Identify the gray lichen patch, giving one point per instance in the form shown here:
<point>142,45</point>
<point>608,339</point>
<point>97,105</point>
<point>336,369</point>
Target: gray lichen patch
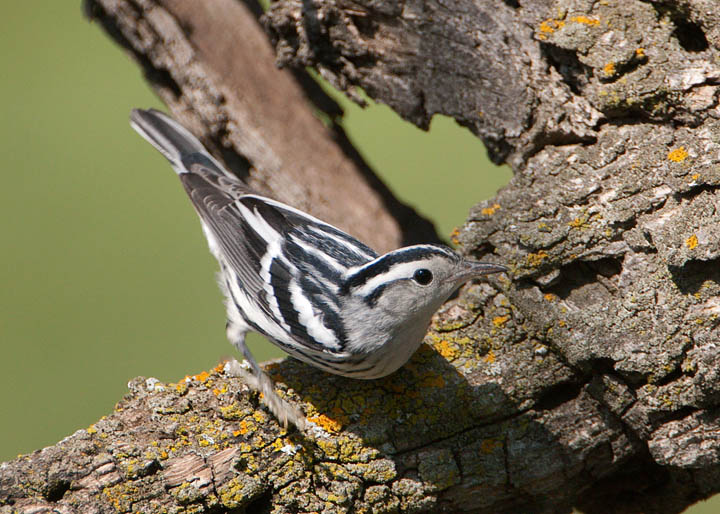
<point>633,58</point>
<point>689,443</point>
<point>622,243</point>
<point>687,229</point>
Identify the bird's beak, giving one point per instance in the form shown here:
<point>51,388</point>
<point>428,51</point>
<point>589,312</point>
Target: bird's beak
<point>471,269</point>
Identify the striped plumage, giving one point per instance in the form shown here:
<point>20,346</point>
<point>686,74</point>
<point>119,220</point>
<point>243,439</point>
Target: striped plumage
<point>316,292</point>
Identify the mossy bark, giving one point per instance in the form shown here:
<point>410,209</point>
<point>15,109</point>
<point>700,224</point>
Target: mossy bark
<point>589,380</point>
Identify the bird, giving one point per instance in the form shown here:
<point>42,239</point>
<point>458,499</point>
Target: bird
<point>313,290</point>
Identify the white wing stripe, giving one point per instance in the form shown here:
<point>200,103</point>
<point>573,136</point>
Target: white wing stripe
<point>250,310</point>
<point>312,322</point>
<point>331,261</point>
<point>274,249</point>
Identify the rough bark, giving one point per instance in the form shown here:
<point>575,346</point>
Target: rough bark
<point>589,380</point>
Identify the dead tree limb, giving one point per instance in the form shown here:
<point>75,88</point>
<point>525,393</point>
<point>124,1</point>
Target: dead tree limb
<point>590,380</point>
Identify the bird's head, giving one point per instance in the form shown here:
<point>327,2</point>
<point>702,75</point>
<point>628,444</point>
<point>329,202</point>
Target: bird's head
<point>415,280</point>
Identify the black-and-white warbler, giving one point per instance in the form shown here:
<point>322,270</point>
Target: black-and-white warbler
<point>316,292</point>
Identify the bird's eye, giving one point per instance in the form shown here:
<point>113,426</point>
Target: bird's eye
<point>423,276</point>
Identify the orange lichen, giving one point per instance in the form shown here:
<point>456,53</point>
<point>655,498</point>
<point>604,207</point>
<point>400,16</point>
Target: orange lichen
<point>609,69</point>
<point>678,154</point>
<point>579,222</point>
<point>691,242</point>
<point>640,52</point>
<point>489,211</point>
<point>328,424</point>
<point>455,235</point>
<point>550,26</point>
<point>202,377</point>
<point>446,350</point>
<point>499,321</point>
<point>549,297</point>
<point>585,20</point>
<point>535,259</point>
<point>490,357</point>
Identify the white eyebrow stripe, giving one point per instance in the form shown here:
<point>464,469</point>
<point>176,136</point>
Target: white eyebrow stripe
<point>399,271</point>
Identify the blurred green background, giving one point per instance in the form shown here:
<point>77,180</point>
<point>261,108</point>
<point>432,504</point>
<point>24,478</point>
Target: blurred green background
<point>106,275</point>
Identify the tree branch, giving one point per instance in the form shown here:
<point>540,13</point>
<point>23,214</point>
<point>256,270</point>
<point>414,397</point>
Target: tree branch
<point>214,68</point>
<point>590,380</point>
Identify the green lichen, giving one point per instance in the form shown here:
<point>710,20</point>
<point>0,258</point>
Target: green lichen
<point>439,470</point>
<point>234,412</point>
<point>187,493</point>
<point>347,448</point>
<point>239,491</point>
<point>379,470</point>
<point>379,498</point>
<point>121,496</point>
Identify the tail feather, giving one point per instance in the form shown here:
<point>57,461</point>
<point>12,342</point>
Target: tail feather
<point>170,138</point>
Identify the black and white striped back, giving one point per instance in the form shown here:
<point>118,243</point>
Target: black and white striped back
<point>281,268</point>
